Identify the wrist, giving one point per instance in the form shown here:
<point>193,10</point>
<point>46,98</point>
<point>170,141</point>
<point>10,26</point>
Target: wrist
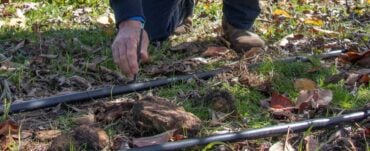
<point>131,24</point>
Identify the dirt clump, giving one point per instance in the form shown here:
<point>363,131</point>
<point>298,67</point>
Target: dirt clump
<point>86,136</point>
<point>62,142</point>
<point>163,115</point>
<point>94,138</point>
<point>221,101</point>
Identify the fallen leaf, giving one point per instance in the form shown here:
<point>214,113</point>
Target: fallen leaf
<point>281,146</point>
<point>172,116</point>
<point>364,79</point>
<point>279,12</point>
<point>186,46</point>
<point>177,137</point>
<point>47,135</point>
<point>88,119</point>
<point>362,59</point>
<point>280,102</point>
<point>335,78</point>
<point>363,71</point>
<point>329,32</point>
<point>152,140</point>
<point>8,126</point>
<point>314,21</point>
<point>304,84</point>
<point>17,22</point>
<point>5,1</point>
<point>215,51</point>
<point>252,52</point>
<point>314,98</point>
<point>105,19</point>
<point>352,79</point>
<point>80,82</point>
<point>292,39</point>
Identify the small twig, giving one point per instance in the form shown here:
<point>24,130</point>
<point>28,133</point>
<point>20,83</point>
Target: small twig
<point>286,140</point>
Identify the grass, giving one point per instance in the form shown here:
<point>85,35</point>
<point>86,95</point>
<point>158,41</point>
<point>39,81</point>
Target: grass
<point>58,39</point>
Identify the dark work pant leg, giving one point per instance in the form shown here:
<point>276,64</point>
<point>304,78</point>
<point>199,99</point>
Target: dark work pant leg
<point>163,16</point>
<point>241,13</point>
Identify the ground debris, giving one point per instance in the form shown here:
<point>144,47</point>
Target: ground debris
<point>221,101</point>
<point>84,136</point>
<point>177,67</point>
<point>62,142</point>
<point>147,115</point>
<point>240,74</point>
<point>46,135</point>
<point>94,138</point>
<point>161,115</point>
<point>152,140</point>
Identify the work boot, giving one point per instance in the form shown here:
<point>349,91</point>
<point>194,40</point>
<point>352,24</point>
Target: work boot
<point>185,26</point>
<point>241,40</point>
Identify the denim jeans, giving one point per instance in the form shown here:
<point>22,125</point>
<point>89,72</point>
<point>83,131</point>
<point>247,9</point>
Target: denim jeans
<point>163,16</point>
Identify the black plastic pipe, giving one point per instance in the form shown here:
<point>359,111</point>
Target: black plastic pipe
<point>103,92</point>
<point>129,88</point>
<point>258,133</point>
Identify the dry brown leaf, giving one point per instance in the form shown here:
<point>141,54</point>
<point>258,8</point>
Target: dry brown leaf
<point>88,119</point>
<point>5,1</point>
<point>362,59</point>
<point>292,39</point>
<point>314,98</point>
<point>152,140</point>
<point>304,84</point>
<point>252,52</point>
<point>8,126</point>
<point>364,79</point>
<point>280,102</point>
<point>352,79</point>
<point>329,32</point>
<point>47,135</point>
<point>215,51</point>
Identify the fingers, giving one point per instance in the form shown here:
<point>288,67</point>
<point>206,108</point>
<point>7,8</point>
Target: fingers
<point>122,64</point>
<point>124,51</point>
<point>144,48</point>
<point>131,57</point>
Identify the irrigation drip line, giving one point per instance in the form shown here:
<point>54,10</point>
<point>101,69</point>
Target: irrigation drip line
<point>129,88</point>
<point>258,133</point>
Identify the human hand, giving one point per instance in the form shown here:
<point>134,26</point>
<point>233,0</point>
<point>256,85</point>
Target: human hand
<point>125,45</point>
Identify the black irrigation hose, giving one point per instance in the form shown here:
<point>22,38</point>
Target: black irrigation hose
<point>258,133</point>
<point>129,88</point>
<point>103,92</point>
